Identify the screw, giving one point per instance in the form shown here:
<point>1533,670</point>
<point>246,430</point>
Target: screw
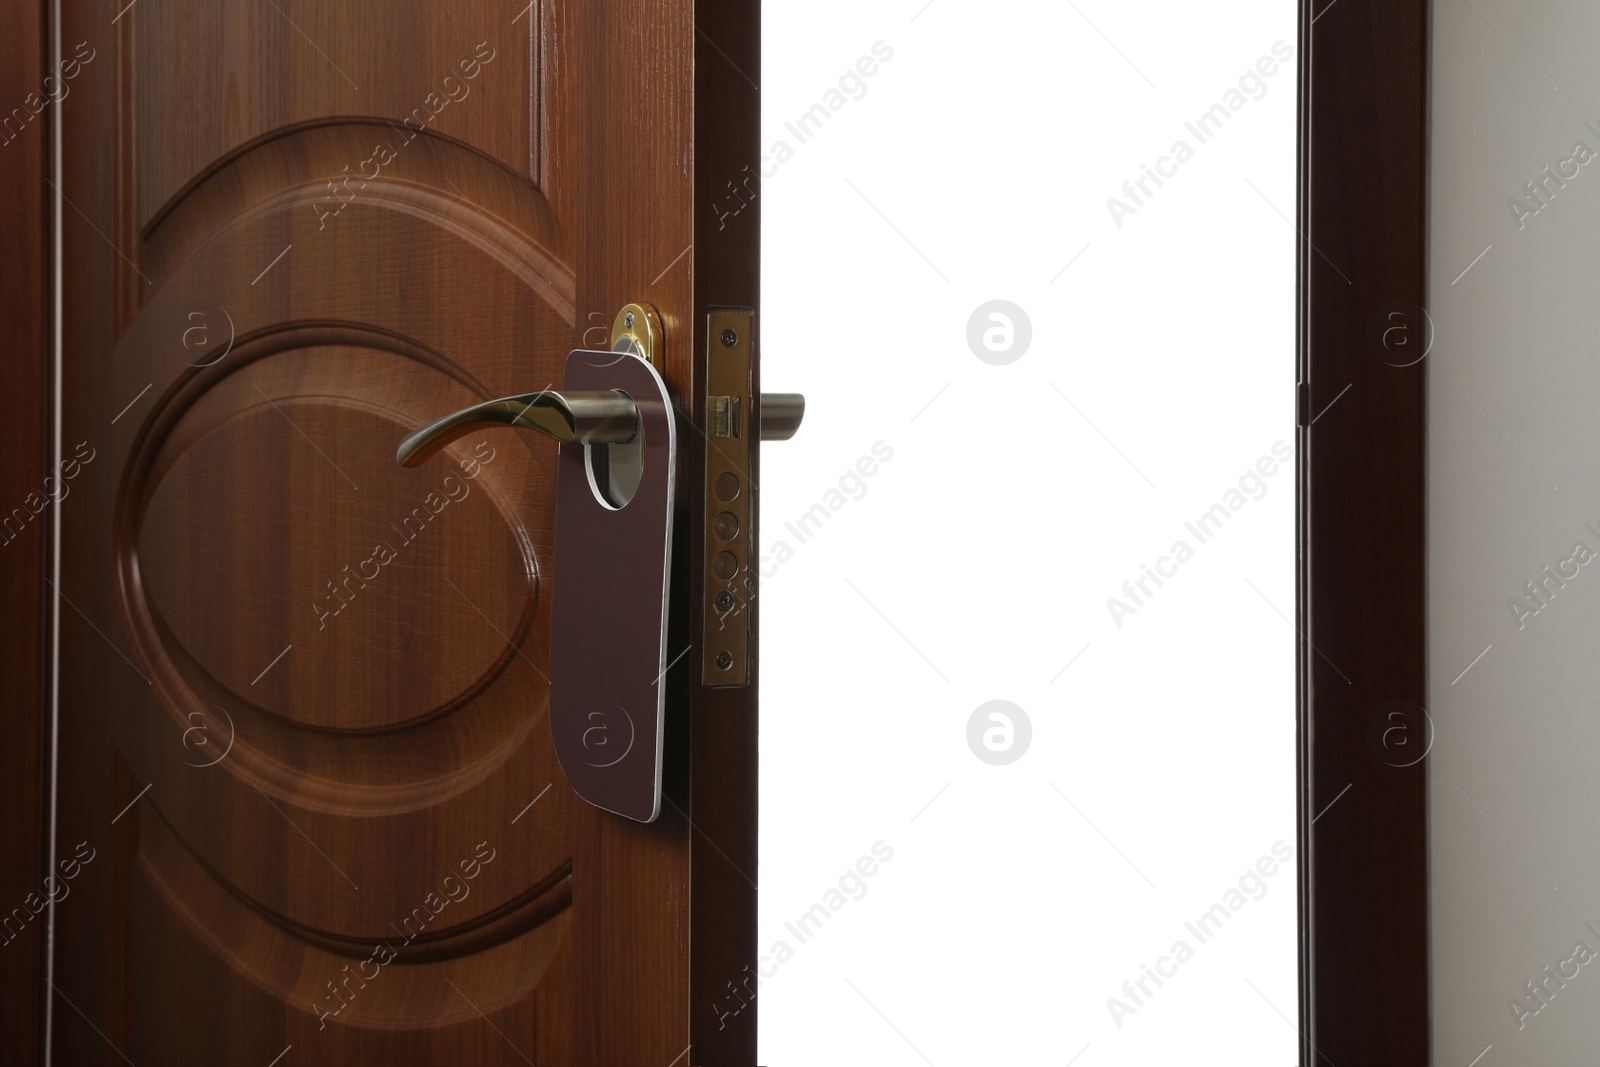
<point>627,320</point>
<point>724,602</point>
<point>724,660</point>
<point>729,338</point>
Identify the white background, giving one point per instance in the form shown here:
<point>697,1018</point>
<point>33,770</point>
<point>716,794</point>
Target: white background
<point>978,562</point>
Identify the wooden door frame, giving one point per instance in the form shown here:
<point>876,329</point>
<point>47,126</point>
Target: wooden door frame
<point>1364,995</point>
<point>1361,585</point>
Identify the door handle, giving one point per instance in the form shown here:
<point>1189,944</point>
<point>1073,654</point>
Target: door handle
<point>615,487</point>
<point>589,418</point>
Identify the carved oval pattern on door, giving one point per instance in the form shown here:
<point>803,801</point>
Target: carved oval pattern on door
<point>377,636</point>
<point>369,588</point>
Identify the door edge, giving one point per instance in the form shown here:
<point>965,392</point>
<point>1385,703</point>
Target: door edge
<point>723,751</point>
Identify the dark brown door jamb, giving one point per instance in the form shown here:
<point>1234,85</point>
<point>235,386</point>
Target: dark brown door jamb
<point>1362,283</point>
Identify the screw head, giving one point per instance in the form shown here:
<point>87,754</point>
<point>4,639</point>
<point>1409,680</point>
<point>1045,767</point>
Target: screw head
<point>627,320</point>
<point>724,602</point>
<point>724,660</point>
<point>730,338</point>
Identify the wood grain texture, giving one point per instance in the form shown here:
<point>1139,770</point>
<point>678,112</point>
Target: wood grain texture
<point>24,464</point>
<point>1363,209</point>
<point>273,276</point>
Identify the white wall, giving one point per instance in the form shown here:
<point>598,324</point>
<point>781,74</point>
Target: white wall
<point>975,563</point>
<point>1512,390</point>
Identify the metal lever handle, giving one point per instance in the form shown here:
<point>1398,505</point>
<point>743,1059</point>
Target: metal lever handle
<point>594,418</point>
<point>591,418</point>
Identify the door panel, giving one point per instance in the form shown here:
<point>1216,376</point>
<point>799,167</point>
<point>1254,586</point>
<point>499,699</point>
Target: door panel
<point>303,691</point>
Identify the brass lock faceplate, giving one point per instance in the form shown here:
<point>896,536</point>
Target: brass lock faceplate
<point>728,567</point>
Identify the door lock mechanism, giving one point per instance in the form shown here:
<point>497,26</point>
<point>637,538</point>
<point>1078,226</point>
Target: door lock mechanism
<point>728,575</point>
<point>616,483</point>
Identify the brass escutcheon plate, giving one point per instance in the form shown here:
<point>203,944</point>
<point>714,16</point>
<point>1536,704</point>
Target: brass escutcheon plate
<point>637,330</point>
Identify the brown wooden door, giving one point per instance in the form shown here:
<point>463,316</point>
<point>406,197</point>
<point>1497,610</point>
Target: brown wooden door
<point>306,788</point>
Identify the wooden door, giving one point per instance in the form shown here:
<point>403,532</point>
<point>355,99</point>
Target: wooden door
<point>308,805</point>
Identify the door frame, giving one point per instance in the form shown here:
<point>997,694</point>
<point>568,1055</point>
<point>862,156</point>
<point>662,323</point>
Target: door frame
<point>1361,604</point>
